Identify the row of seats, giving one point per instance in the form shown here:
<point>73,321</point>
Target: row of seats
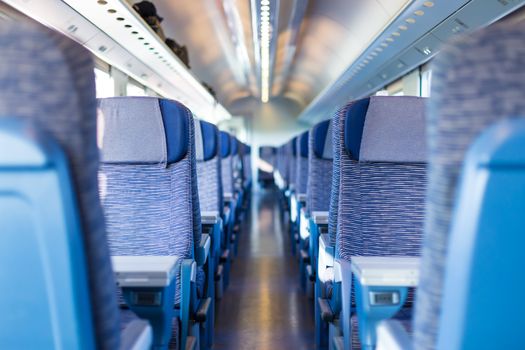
<point>127,192</point>
<point>405,212</point>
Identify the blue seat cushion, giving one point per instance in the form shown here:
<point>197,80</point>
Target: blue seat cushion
<point>225,144</point>
<point>123,122</point>
<point>206,140</point>
<point>234,145</point>
<point>303,145</point>
<point>387,129</point>
<point>322,140</point>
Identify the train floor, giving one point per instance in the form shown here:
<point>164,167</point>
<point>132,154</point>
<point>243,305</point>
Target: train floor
<point>263,307</point>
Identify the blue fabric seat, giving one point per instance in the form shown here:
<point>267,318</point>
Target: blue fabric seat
<point>247,166</point>
<point>301,172</point>
<point>210,193</point>
<point>459,110</point>
<point>236,149</point>
<point>382,180</point>
<point>48,83</point>
<point>289,161</point>
<point>320,156</point>
<point>229,199</point>
<point>226,163</point>
<point>148,190</point>
<point>320,172</point>
<point>209,168</point>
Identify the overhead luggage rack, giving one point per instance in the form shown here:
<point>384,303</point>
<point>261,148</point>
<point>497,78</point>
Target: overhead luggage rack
<point>119,36</point>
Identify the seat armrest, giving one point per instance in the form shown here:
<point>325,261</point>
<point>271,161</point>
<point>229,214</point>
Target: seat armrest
<point>136,336</point>
<point>204,250</point>
<point>209,217</point>
<point>148,287</point>
<point>391,335</point>
<point>381,288</point>
<point>228,197</point>
<point>213,226</point>
<point>320,217</point>
<point>374,271</point>
<point>144,271</point>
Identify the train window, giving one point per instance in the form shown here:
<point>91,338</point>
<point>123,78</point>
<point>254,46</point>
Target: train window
<point>105,84</point>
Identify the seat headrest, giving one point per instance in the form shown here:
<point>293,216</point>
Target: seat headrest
<point>303,144</point>
<point>143,130</point>
<point>206,140</point>
<point>293,143</point>
<point>225,144</point>
<point>244,148</point>
<point>322,136</point>
<point>234,145</point>
<point>386,129</point>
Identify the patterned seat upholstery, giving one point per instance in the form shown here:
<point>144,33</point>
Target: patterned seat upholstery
<point>247,165</point>
<point>291,154</point>
<point>337,140</point>
<point>382,179</point>
<point>209,168</point>
<point>48,79</point>
<point>209,177</point>
<point>226,162</point>
<point>148,190</point>
<point>301,163</point>
<point>477,80</point>
<point>236,164</point>
<point>320,157</point>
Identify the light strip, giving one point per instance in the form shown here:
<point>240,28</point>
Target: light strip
<point>265,39</point>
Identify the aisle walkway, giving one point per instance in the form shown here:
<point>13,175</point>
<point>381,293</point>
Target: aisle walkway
<point>263,307</point>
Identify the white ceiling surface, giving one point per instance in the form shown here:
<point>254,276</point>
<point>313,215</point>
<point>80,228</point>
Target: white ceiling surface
<point>332,35</point>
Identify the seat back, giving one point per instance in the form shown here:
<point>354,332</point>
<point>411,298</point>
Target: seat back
<point>226,162</point>
<point>237,163</point>
<point>247,164</point>
<point>148,189</point>
<point>337,141</point>
<point>291,156</point>
<point>477,81</point>
<point>301,172</point>
<point>54,255</point>
<point>320,157</point>
<point>486,244</point>
<point>383,177</point>
<point>208,166</point>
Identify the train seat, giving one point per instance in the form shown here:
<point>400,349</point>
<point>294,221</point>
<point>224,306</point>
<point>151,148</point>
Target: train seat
<point>315,214</point>
<point>54,251</point>
<point>473,195</point>
<point>149,192</point>
<point>381,199</point>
